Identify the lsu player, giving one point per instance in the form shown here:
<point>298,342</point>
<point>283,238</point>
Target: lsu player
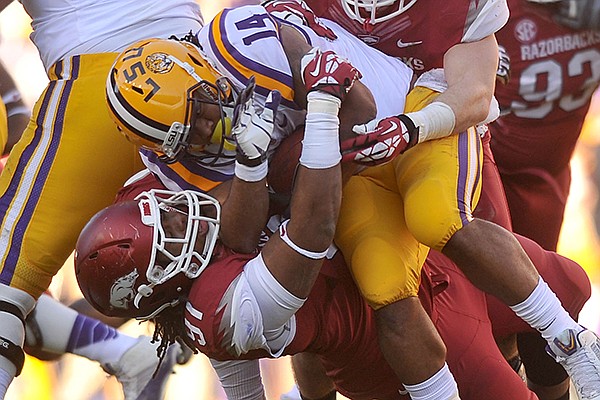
<point>53,329</point>
<point>153,88</point>
<point>231,53</point>
<point>70,156</point>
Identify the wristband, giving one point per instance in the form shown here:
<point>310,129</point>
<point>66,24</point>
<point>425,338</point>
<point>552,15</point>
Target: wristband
<point>251,174</point>
<point>436,120</point>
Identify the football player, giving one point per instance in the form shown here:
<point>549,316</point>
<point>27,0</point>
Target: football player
<point>233,43</point>
<point>224,306</point>
<point>53,329</point>
<point>554,48</point>
<point>70,156</point>
<point>458,37</point>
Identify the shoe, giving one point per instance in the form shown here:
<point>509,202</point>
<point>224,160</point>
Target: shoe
<point>135,369</point>
<point>579,354</point>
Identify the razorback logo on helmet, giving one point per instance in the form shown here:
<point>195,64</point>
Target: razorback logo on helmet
<point>122,292</point>
<point>159,63</point>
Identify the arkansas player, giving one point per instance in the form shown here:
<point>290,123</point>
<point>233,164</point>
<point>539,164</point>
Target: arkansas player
<point>425,37</point>
<point>554,71</point>
<point>335,322</point>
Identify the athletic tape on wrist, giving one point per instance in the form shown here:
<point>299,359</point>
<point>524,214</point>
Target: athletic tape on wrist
<point>251,174</point>
<point>436,120</point>
<point>321,102</point>
<point>306,253</point>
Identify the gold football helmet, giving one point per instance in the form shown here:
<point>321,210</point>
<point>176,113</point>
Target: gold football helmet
<point>370,8</point>
<point>155,91</point>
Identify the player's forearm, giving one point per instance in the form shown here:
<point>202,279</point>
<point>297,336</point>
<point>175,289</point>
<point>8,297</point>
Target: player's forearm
<point>244,215</point>
<point>470,70</point>
<point>240,379</point>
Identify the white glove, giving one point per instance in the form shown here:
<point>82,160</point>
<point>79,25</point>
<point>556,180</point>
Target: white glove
<point>252,131</point>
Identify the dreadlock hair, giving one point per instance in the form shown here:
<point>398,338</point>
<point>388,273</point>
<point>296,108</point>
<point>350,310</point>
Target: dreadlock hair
<point>169,328</point>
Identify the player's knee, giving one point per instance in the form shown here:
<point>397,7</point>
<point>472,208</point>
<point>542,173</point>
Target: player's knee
<point>15,305</point>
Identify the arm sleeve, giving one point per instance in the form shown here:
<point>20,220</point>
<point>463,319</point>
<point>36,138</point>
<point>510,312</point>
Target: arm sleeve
<point>240,379</point>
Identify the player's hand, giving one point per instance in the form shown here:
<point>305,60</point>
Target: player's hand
<point>380,141</point>
<point>328,72</point>
<point>503,72</point>
<point>252,131</point>
<point>298,12</point>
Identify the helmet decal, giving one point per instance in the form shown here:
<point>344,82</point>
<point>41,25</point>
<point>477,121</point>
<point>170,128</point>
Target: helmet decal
<point>122,291</point>
<point>159,63</point>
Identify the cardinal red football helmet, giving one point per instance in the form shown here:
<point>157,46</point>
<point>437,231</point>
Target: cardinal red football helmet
<point>368,11</point>
<point>127,266</point>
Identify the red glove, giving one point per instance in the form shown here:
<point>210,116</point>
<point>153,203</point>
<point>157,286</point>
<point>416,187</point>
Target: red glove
<point>300,13</point>
<point>380,141</point>
<point>328,72</point>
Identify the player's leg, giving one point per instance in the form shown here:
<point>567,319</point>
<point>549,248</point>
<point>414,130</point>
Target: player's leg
<point>69,163</point>
<point>54,328</point>
<point>385,260</point>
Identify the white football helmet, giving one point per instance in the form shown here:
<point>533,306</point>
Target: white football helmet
<point>353,9</point>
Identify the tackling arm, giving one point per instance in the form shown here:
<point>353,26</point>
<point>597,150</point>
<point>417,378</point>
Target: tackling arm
<point>470,70</point>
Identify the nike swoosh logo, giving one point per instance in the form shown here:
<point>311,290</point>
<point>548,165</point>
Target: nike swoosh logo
<point>392,128</point>
<point>315,72</point>
<point>547,326</point>
<point>402,45</point>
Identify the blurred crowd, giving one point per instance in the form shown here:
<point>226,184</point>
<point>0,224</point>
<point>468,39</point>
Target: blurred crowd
<point>78,378</point>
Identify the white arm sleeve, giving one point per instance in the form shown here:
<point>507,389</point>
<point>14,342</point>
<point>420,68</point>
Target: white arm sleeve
<point>263,311</point>
<point>240,379</point>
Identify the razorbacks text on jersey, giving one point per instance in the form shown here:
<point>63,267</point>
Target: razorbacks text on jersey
<point>554,72</point>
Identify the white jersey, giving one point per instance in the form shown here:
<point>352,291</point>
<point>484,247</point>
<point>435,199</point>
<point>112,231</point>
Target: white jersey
<point>63,28</point>
<point>245,41</point>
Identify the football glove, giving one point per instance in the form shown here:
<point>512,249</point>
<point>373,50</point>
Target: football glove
<point>298,12</point>
<point>380,141</point>
<point>252,131</point>
<point>328,72</point>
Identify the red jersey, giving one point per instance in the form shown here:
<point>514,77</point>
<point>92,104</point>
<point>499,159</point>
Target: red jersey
<point>421,35</point>
<point>334,322</point>
<point>554,72</point>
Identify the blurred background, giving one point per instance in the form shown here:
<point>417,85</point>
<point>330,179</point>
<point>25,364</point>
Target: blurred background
<point>76,378</point>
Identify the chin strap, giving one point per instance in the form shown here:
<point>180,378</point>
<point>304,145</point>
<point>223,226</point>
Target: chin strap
<point>13,352</point>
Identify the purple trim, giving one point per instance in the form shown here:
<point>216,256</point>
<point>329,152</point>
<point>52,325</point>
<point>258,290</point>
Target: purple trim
<point>40,178</point>
<point>190,166</point>
<point>463,173</point>
<point>250,64</point>
<point>87,331</point>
